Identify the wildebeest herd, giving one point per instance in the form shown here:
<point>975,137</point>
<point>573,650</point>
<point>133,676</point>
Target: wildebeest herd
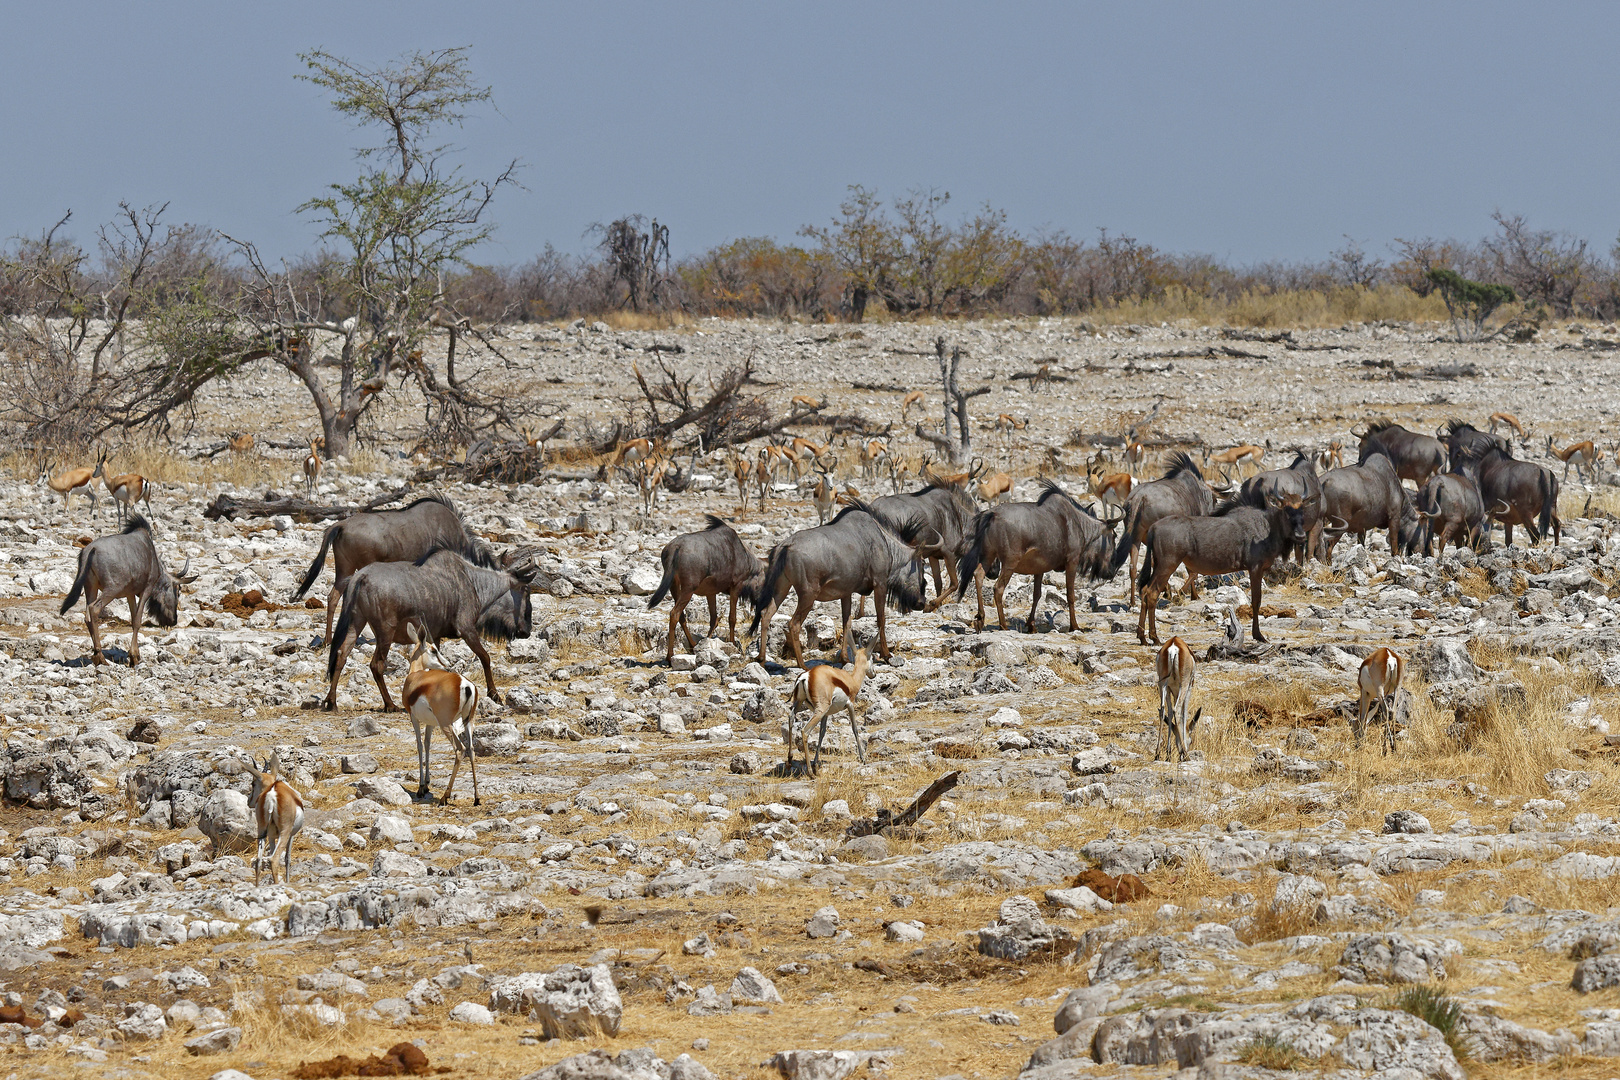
<point>415,576</point>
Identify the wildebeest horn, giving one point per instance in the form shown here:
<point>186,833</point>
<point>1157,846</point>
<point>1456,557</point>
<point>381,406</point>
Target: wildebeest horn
<point>1338,524</point>
<point>181,576</point>
<point>1506,509</point>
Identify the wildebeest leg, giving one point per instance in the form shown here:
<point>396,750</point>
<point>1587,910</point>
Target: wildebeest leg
<point>880,596</point>
<point>332,599</point>
<point>137,607</point>
<point>1256,578</point>
<point>476,644</point>
<point>1068,585</point>
<point>677,617</point>
<point>343,658</point>
<point>1130,586</point>
<point>846,638</point>
<point>1001,590</point>
<point>714,615</point>
<point>92,619</point>
<point>1507,534</point>
<point>1035,604</point>
<point>939,589</point>
<point>379,664</point>
<point>801,611</point>
<point>765,628</point>
<point>732,622</point>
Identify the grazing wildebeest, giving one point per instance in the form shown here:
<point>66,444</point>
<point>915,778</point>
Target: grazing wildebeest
<point>1235,537</point>
<point>1298,479</point>
<point>1181,490</point>
<point>706,563</point>
<point>940,517</point>
<point>126,565</point>
<point>1453,500</point>
<point>1053,533</point>
<point>1367,497</point>
<point>1416,456</point>
<point>445,595</point>
<point>853,554</point>
<point>429,524</point>
<point>1527,492</point>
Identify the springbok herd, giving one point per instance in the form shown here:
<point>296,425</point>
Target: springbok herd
<point>1130,451</point>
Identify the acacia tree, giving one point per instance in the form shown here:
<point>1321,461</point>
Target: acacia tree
<point>862,243</point>
<point>398,230</point>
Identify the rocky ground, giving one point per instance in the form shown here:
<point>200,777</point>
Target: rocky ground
<point>638,887</point>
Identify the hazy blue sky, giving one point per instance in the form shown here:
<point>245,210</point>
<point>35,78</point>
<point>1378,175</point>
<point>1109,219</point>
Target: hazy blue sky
<point>1246,130</point>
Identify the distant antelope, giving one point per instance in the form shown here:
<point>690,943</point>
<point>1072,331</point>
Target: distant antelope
<point>1135,454</point>
<point>1175,667</point>
<point>872,453</point>
<point>278,812</point>
<point>240,443</point>
<point>633,451</point>
<point>437,697</point>
<point>956,480</point>
<point>312,468</point>
<point>1506,420</point>
<point>1007,423</point>
<point>994,488</point>
<point>1042,378</point>
<point>1581,455</point>
<point>823,495</point>
<point>66,483</point>
<point>1237,456</point>
<point>742,470</point>
<point>1110,488</point>
<point>1332,457</point>
<point>802,446</point>
<point>913,399</point>
<point>127,489</point>
<point>648,474</point>
<point>1378,680</point>
<point>808,404</point>
<point>822,689</point>
<point>850,496</point>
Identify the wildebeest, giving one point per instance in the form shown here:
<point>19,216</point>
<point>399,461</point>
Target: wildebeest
<point>126,565</point>
<point>706,563</point>
<point>853,554</point>
<point>1053,533</point>
<point>1452,499</point>
<point>1298,479</point>
<point>1515,492</point>
<point>1235,537</point>
<point>1416,456</point>
<point>1181,490</point>
<point>429,524</point>
<point>940,518</point>
<point>1367,497</point>
<point>445,595</point>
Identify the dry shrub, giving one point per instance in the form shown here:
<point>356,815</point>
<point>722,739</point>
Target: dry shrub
<point>1261,308</point>
<point>1522,744</point>
<point>1273,922</point>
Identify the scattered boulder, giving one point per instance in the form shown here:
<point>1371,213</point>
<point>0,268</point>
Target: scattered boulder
<point>571,1002</point>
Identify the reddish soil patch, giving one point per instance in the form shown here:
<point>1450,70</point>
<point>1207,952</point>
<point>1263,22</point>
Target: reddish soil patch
<point>402,1059</point>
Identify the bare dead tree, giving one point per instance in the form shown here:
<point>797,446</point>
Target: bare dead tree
<point>639,259</point>
<point>959,446</point>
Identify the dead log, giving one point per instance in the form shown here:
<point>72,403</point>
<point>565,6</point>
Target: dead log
<point>883,387</point>
<point>229,508</point>
<point>887,820</point>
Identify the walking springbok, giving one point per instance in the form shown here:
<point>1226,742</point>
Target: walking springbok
<point>1237,457</point>
<point>1111,489</point>
<point>913,399</point>
<point>823,495</point>
<point>1053,533</point>
<point>127,489</point>
<point>126,565</point>
<point>872,453</point>
<point>805,403</point>
<point>632,451</point>
<point>995,488</point>
<point>84,477</point>
<point>1175,667</point>
<point>1506,420</point>
<point>278,813</point>
<point>742,470</point>
<point>822,689</point>
<point>706,563</point>
<point>1378,680</point>
<point>1580,454</point>
<point>853,554</point>
<point>312,467</point>
<point>437,697</point>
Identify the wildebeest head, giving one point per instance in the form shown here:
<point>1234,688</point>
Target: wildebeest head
<point>507,612</point>
<point>164,603</point>
<point>904,588</point>
<point>1294,508</point>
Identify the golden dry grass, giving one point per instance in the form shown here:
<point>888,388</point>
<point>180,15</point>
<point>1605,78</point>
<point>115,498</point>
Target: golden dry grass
<point>1304,309</point>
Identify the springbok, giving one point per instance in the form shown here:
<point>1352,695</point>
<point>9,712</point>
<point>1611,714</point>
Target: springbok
<point>995,488</point>
<point>127,489</point>
<point>742,470</point>
<point>1378,680</point>
<point>1175,667</point>
<point>437,697</point>
<point>1332,457</point>
<point>872,453</point>
<point>240,442</point>
<point>1237,457</point>
<point>1506,420</point>
<point>807,404</point>
<point>1006,424</point>
<point>1580,454</point>
<point>126,565</point>
<point>802,446</point>
<point>706,563</point>
<point>66,483</point>
<point>312,468</point>
<point>278,813</point>
<point>913,399</point>
<point>823,495</point>
<point>1112,489</point>
<point>822,689</point>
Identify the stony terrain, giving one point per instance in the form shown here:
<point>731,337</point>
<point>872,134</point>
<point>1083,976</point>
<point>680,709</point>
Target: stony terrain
<point>637,881</point>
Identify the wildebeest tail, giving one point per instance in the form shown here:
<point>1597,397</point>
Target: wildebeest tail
<point>1549,500</point>
<point>78,582</point>
<point>774,570</point>
<point>327,539</point>
<point>969,563</point>
<point>1144,578</point>
<point>1122,550</point>
<point>663,585</point>
<point>341,630</point>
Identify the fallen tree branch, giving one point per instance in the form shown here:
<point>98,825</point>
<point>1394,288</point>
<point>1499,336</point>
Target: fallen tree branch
<point>229,508</point>
<point>887,820</point>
